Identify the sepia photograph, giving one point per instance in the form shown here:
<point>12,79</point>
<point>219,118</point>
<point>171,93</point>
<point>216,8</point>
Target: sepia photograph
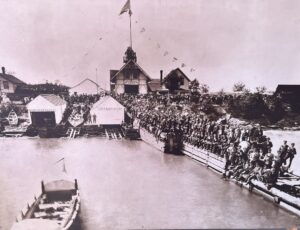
<point>149,114</point>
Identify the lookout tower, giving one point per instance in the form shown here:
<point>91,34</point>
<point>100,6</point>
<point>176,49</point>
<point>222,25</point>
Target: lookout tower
<point>130,55</point>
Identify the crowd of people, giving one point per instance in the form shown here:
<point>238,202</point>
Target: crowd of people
<point>86,99</point>
<point>247,151</point>
<point>81,104</point>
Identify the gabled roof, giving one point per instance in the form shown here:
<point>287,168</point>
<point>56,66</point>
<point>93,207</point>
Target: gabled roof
<point>46,102</point>
<point>107,101</point>
<point>53,99</point>
<point>174,71</point>
<point>126,65</point>
<point>12,79</point>
<point>87,79</point>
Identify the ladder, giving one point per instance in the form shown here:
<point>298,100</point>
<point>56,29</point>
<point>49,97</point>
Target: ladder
<point>73,132</point>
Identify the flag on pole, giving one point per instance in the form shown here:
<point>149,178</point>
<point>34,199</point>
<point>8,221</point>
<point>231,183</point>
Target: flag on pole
<point>126,8</point>
<point>63,164</point>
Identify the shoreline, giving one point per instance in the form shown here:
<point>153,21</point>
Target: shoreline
<point>277,128</point>
<point>265,128</point>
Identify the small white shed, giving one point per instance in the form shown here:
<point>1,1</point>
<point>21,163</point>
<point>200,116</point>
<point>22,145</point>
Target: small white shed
<point>87,86</point>
<point>46,110</point>
<point>107,111</point>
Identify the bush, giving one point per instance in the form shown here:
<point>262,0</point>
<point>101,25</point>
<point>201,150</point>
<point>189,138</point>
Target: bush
<point>6,108</point>
<point>248,106</point>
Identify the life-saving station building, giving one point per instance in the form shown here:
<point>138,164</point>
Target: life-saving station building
<point>131,78</point>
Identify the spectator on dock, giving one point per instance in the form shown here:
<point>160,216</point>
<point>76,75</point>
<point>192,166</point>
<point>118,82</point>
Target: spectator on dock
<point>94,118</point>
<point>283,151</point>
<point>247,151</point>
<point>291,152</point>
<point>89,118</point>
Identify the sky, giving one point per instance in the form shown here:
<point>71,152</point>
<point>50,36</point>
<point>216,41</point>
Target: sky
<point>220,42</point>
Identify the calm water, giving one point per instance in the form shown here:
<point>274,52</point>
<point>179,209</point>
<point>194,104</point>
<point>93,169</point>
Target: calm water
<point>128,184</point>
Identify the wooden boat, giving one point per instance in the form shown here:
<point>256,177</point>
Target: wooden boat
<point>15,131</point>
<point>76,119</point>
<point>56,207</point>
<point>12,118</point>
<point>285,193</point>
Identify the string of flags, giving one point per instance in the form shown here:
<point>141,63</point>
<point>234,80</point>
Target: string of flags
<point>165,53</point>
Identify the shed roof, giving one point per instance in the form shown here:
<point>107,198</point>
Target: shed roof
<point>45,102</point>
<point>54,99</point>
<point>12,79</point>
<point>155,86</point>
<point>86,86</point>
<point>107,101</point>
<point>87,79</point>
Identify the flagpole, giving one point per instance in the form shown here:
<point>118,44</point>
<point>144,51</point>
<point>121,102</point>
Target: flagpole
<point>127,7</point>
<point>97,80</point>
<point>130,28</point>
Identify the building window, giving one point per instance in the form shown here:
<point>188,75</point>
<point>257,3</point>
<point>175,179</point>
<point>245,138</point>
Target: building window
<point>5,85</point>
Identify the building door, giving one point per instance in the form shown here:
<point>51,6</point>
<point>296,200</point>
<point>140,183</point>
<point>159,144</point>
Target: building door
<point>132,89</point>
<point>43,119</point>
